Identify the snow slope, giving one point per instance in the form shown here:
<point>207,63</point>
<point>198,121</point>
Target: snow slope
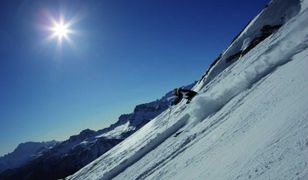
<point>249,121</point>
<point>276,13</point>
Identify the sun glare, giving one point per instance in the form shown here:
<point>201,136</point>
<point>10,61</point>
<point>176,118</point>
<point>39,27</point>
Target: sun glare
<point>60,30</point>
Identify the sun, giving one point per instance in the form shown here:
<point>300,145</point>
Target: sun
<point>60,30</point>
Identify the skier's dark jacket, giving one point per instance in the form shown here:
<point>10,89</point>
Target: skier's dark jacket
<point>183,93</point>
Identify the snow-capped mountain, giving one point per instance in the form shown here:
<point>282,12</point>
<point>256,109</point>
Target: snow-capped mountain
<point>66,157</point>
<point>24,152</point>
<point>249,120</point>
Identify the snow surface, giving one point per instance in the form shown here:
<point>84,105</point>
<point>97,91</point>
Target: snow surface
<point>277,12</point>
<point>118,131</point>
<point>249,121</point>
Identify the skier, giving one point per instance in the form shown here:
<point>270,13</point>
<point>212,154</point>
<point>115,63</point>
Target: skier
<point>181,93</point>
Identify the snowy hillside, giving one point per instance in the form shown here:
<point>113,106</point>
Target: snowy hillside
<point>249,121</point>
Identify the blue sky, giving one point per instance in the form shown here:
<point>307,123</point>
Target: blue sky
<point>122,53</point>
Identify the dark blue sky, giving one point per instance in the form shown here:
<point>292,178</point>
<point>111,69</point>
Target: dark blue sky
<point>124,52</point>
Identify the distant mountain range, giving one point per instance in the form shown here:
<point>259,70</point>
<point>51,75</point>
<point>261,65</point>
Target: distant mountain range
<point>54,160</point>
<point>23,153</point>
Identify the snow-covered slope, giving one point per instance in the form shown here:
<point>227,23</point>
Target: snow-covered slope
<point>24,152</point>
<point>275,14</point>
<point>249,121</point>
